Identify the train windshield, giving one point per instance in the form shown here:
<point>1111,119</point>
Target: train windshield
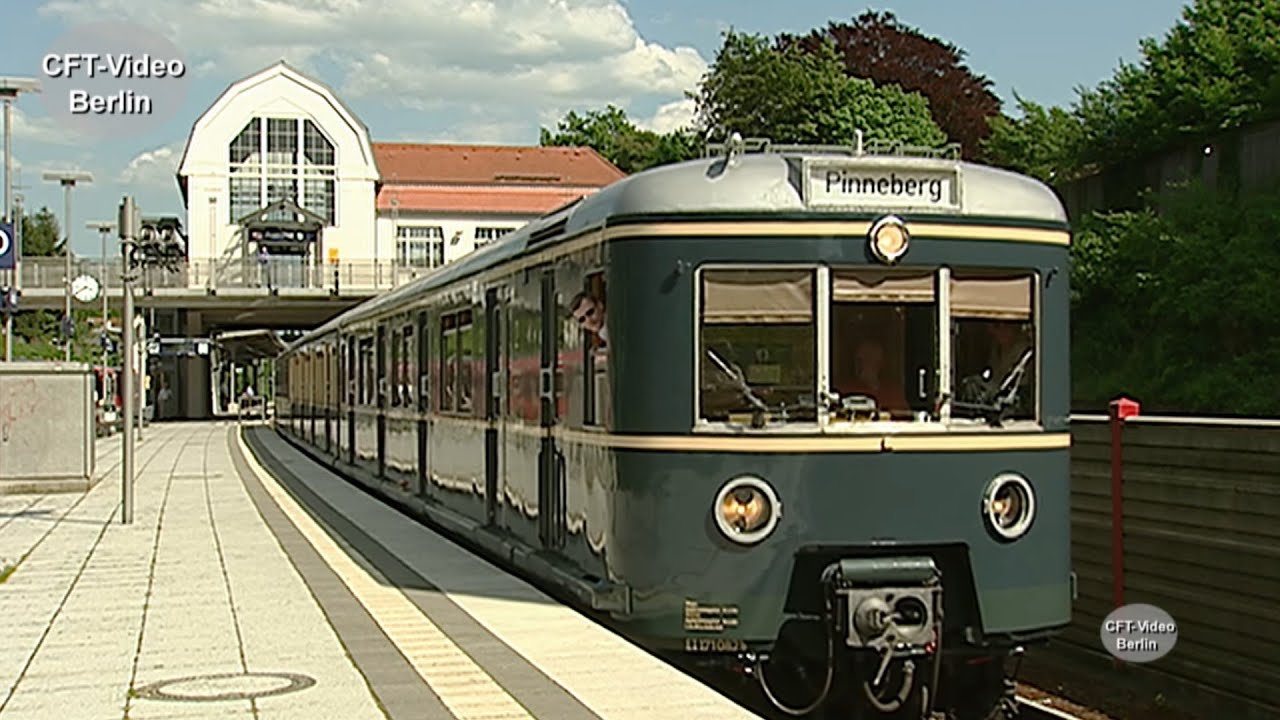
<point>994,340</point>
<point>884,329</point>
<point>877,354</point>
<point>758,332</point>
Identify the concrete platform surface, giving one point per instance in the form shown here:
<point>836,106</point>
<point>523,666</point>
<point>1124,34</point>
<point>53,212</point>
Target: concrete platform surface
<point>265,587</point>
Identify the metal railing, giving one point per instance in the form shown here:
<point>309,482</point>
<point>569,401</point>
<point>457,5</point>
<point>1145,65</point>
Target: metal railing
<point>251,407</point>
<point>344,278</point>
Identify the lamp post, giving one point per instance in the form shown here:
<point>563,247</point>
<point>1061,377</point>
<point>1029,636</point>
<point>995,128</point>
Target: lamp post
<point>68,179</point>
<point>104,229</point>
<point>10,88</point>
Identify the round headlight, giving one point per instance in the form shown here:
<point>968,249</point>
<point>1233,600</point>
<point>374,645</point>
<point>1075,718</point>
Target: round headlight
<point>1009,506</point>
<point>889,239</point>
<point>747,509</point>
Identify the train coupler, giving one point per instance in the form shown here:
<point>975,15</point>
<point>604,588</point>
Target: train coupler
<point>892,608</point>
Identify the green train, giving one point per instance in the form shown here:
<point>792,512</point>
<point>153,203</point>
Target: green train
<point>800,412</point>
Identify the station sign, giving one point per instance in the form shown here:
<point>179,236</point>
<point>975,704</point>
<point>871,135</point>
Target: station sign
<point>8,247</point>
<point>852,183</point>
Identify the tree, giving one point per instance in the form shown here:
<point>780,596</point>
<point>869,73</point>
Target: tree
<point>1217,69</point>
<point>612,134</point>
<point>39,330</point>
<point>791,95</point>
<point>1192,287</point>
<point>1043,143</point>
<point>877,47</point>
<point>41,236</point>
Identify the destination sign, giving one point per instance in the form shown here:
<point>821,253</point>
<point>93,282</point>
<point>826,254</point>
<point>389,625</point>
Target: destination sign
<point>845,184</point>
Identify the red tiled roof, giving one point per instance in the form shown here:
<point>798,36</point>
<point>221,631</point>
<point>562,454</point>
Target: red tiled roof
<point>421,164</point>
<point>473,199</point>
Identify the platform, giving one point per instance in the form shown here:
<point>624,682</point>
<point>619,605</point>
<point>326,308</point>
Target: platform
<point>253,583</point>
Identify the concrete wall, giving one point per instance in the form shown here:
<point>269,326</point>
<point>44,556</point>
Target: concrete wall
<point>47,427</point>
<point>1248,157</point>
<point>1201,520</point>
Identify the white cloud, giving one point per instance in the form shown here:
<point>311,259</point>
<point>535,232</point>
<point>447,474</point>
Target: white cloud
<point>153,168</point>
<point>511,58</point>
<point>43,130</point>
<point>479,132</point>
<point>670,116</point>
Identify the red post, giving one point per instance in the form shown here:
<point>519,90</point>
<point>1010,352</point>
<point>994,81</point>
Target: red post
<point>1121,408</point>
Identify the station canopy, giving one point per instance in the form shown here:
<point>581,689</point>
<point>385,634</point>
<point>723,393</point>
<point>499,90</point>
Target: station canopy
<point>283,228</point>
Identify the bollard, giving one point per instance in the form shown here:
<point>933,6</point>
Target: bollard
<point>1121,408</point>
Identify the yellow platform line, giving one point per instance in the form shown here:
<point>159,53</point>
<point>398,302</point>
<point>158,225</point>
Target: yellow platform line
<point>464,687</point>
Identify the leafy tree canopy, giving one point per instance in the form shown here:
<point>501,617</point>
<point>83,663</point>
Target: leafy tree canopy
<point>1217,69</point>
<point>1043,143</point>
<point>794,95</point>
<point>880,48</point>
<point>612,134</point>
<point>1177,306</point>
<point>41,235</point>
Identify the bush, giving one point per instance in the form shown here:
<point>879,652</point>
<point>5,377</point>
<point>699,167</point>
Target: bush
<point>1177,307</point>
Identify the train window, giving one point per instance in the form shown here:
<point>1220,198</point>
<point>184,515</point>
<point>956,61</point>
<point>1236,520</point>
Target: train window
<point>883,343</point>
<point>993,346</point>
<point>408,367</point>
<point>589,312</point>
<point>466,360</point>
<point>456,358</point>
<point>448,362</point>
<point>368,371</point>
<point>394,379</point>
<point>359,372</point>
<point>757,337</point>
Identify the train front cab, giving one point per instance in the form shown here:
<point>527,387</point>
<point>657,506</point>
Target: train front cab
<point>855,473</point>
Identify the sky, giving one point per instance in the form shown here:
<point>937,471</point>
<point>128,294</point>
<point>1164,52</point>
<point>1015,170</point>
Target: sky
<point>474,71</point>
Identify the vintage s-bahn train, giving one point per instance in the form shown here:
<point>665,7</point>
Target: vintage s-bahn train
<point>800,410</point>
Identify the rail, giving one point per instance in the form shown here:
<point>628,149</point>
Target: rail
<point>342,277</point>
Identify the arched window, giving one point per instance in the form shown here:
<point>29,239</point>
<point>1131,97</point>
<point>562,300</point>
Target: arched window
<point>275,158</point>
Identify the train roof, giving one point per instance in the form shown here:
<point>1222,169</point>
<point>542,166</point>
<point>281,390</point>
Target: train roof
<point>739,182</point>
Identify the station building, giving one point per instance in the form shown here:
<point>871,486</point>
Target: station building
<point>280,168</point>
<point>285,188</point>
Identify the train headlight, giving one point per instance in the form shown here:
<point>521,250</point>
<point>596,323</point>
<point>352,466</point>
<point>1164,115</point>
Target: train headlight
<point>1009,505</point>
<point>889,239</point>
<point>747,509</point>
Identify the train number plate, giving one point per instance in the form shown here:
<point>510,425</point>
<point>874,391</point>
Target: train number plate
<point>713,645</point>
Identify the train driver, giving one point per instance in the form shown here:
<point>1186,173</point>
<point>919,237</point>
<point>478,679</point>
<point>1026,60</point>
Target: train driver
<point>872,377</point>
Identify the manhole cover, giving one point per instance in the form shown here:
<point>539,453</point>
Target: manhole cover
<point>228,686</point>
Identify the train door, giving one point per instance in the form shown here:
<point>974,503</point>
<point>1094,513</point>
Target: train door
<point>309,413</point>
<point>383,389</point>
<point>339,394</point>
<point>326,392</point>
<point>551,465</point>
<point>353,372</point>
<point>494,392</point>
<point>424,402</point>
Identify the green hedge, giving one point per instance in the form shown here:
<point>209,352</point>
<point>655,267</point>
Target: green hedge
<point>1180,307</point>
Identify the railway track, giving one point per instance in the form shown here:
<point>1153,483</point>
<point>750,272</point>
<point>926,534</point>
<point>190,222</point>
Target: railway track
<point>1029,709</point>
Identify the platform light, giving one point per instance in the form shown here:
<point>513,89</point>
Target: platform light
<point>747,509</point>
<point>889,239</point>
